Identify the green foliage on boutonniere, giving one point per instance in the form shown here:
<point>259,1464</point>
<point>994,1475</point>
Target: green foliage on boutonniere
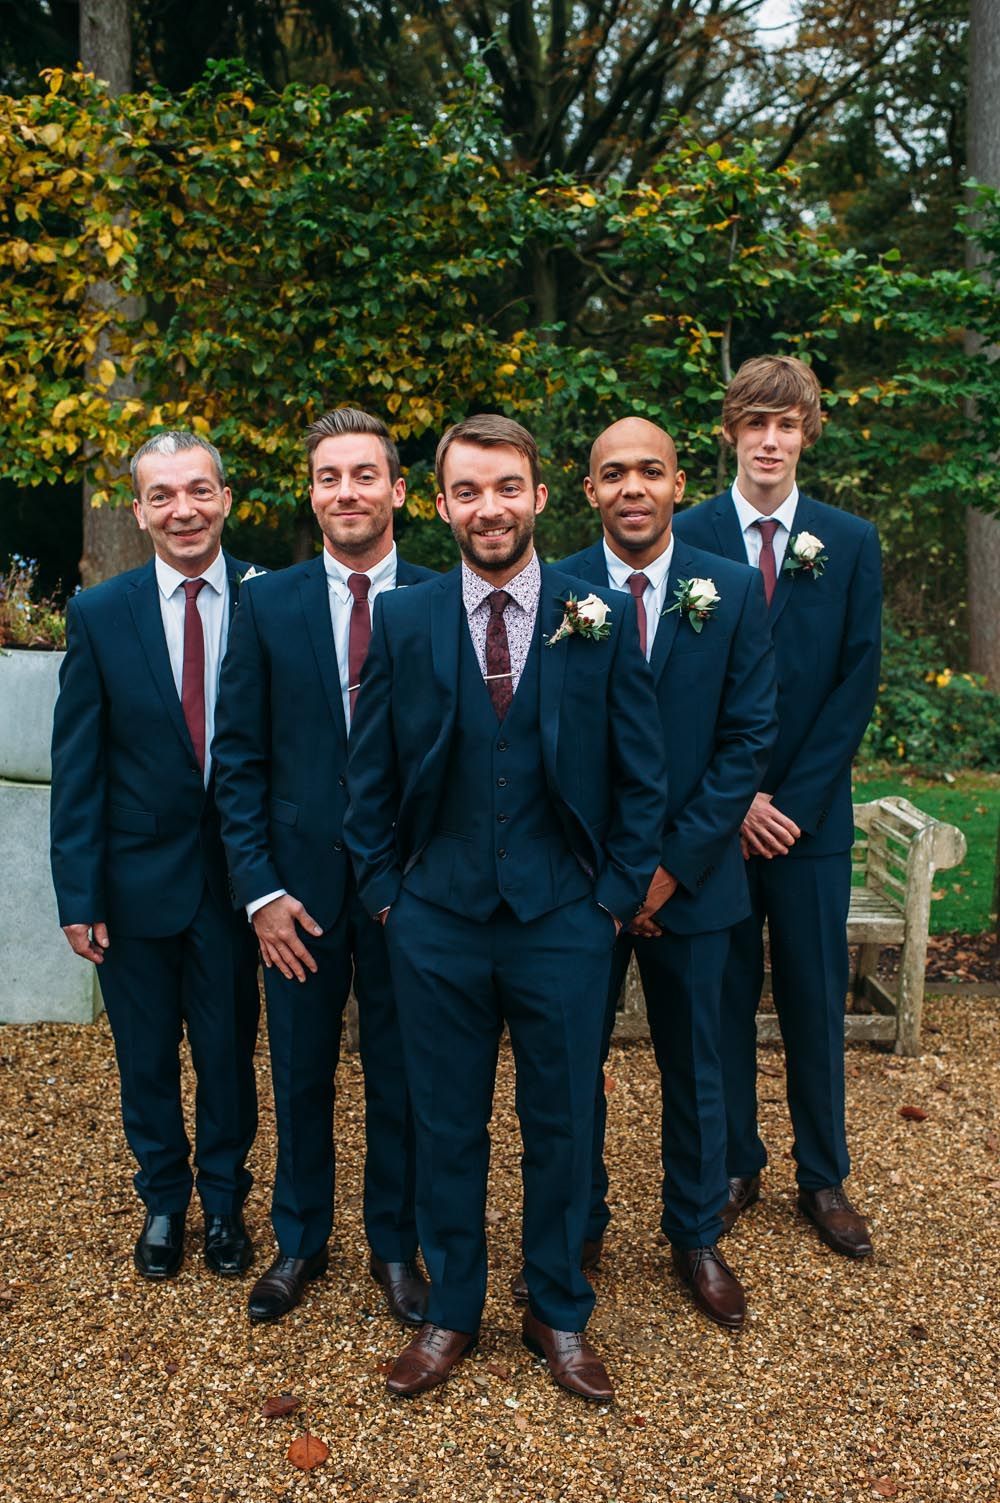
<point>588,618</point>
<point>805,555</point>
<point>696,599</point>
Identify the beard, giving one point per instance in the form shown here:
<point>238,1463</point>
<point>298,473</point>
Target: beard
<point>489,559</point>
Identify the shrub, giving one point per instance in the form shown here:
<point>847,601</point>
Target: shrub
<point>25,622</point>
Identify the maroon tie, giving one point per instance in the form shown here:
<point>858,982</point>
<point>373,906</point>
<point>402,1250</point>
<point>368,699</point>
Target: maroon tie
<point>498,675</point>
<point>193,672</point>
<point>638,583</point>
<point>360,634</point>
<point>767,562</point>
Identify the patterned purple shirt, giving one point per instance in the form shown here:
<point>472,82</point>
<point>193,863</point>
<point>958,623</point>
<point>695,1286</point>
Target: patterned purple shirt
<point>518,617</point>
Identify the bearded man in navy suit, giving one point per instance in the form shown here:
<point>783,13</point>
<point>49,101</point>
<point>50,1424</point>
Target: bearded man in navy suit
<point>286,702</point>
<point>822,577</point>
<point>137,859</point>
<point>703,627</point>
<point>507,792</point>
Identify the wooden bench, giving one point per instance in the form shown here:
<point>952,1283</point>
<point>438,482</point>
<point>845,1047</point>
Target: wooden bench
<point>897,851</point>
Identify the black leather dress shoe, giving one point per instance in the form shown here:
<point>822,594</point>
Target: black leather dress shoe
<point>279,1289</point>
<point>228,1249</point>
<point>405,1287</point>
<point>159,1252</point>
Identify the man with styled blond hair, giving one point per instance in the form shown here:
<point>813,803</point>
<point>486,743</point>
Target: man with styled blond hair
<point>822,579</point>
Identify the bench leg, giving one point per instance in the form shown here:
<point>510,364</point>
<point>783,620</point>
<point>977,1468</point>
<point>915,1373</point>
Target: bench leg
<point>867,966</point>
<point>910,1007</point>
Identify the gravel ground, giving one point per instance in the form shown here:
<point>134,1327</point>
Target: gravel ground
<point>867,1381</point>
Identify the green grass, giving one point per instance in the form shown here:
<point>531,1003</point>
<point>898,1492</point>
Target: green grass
<point>972,802</point>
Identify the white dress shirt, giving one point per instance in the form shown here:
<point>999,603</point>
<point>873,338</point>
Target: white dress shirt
<point>213,608</point>
<point>383,577</point>
<point>654,596</point>
<point>748,515</point>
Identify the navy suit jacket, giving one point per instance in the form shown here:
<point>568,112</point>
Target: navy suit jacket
<point>716,694</point>
<point>604,771</point>
<point>280,747</point>
<point>135,833</point>
<point>827,643</point>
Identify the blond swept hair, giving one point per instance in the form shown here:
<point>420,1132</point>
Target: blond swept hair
<point>489,431</point>
<point>352,420</point>
<point>773,383</point>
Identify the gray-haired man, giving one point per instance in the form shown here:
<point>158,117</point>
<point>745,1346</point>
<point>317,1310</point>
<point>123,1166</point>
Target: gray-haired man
<point>137,858</point>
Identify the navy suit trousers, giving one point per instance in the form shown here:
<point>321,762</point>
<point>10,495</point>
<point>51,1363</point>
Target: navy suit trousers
<point>457,982</point>
<point>204,978</point>
<point>804,900</point>
<point>304,1021</point>
<point>682,984</point>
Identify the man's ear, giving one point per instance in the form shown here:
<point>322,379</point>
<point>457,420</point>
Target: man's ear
<point>139,514</point>
<point>589,491</point>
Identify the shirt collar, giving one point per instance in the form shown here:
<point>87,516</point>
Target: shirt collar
<point>169,580</point>
<point>524,589</point>
<point>619,572</point>
<point>383,574</point>
<point>748,514</point>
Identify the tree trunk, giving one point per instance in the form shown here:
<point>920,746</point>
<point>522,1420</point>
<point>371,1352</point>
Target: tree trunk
<point>984,164</point>
<point>111,540</point>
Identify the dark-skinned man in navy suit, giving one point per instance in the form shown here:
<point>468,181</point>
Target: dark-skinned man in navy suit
<point>507,787</point>
<point>822,576</point>
<point>703,625</point>
<point>286,702</point>
<point>137,859</point>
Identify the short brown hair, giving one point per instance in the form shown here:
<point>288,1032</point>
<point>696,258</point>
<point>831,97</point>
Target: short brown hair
<point>351,420</point>
<point>773,383</point>
<point>488,431</point>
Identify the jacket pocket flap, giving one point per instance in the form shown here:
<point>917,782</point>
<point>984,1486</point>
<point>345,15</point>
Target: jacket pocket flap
<point>283,813</point>
<point>136,821</point>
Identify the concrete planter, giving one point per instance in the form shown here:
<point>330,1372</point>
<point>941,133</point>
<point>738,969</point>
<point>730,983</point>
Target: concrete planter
<point>29,683</point>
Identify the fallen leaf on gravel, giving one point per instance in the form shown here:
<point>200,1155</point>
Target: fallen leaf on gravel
<point>913,1113</point>
<point>919,1333</point>
<point>308,1451</point>
<point>943,1085</point>
<point>639,1420</point>
<point>520,1423</point>
<point>885,1487</point>
<point>279,1405</point>
<point>120,1456</point>
<point>171,1368</point>
<point>609,1084</point>
<point>387,1366</point>
<point>492,1217</point>
<point>993,1142</point>
<point>498,1370</point>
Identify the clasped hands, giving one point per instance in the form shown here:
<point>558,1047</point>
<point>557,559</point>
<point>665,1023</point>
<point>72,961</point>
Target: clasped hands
<point>766,831</point>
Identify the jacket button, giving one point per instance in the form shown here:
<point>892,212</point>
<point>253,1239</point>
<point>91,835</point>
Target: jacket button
<point>338,845</point>
<point>502,819</point>
<point>501,746</point>
<point>502,854</point>
<point>501,782</point>
<point>342,781</point>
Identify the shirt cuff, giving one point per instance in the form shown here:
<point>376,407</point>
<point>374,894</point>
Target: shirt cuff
<point>262,902</point>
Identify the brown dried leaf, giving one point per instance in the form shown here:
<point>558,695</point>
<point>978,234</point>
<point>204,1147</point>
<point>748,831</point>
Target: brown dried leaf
<point>498,1370</point>
<point>492,1217</point>
<point>609,1084</point>
<point>885,1487</point>
<point>639,1420</point>
<point>520,1423</point>
<point>308,1451</point>
<point>386,1366</point>
<point>919,1333</point>
<point>172,1367</point>
<point>913,1113</point>
<point>279,1405</point>
<point>993,1142</point>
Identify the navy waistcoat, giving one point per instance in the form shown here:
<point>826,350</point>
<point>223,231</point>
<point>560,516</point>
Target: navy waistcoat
<point>496,835</point>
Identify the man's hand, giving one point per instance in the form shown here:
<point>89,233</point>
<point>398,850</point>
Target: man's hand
<point>280,945</point>
<point>661,889</point>
<point>766,831</point>
<point>382,915</point>
<point>88,940</point>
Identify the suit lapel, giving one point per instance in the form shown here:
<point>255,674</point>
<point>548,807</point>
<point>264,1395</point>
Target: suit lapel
<point>144,603</point>
<point>234,570</point>
<point>681,567</point>
<point>447,621</point>
<point>552,667</point>
<point>315,601</point>
<point>788,582</point>
<point>727,528</point>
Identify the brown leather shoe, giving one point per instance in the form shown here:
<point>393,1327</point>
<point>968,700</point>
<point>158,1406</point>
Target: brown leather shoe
<point>713,1285</point>
<point>405,1287</point>
<point>590,1258</point>
<point>572,1361</point>
<point>840,1225</point>
<point>279,1289</point>
<point>743,1193</point>
<point>428,1360</point>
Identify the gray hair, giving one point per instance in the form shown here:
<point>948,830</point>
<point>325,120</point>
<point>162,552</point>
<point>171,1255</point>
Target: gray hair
<point>352,420</point>
<point>174,441</point>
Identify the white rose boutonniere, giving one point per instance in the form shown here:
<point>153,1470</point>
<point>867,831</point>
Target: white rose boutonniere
<point>587,618</point>
<point>696,599</point>
<point>805,555</point>
<point>252,573</point>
